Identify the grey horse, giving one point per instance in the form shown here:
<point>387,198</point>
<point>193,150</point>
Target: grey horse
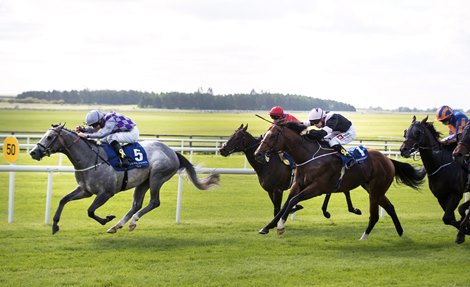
<point>95,176</point>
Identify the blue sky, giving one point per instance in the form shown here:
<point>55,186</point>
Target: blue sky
<point>365,53</point>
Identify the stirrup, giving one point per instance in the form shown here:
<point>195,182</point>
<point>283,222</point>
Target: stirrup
<point>350,163</point>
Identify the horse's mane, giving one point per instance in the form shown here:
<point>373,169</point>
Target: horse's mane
<point>296,127</point>
<point>432,129</point>
<point>92,142</point>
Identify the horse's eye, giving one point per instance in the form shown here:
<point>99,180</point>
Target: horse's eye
<point>49,138</point>
<point>416,133</point>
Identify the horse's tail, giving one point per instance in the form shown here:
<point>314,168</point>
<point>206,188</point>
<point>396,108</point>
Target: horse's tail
<point>204,183</point>
<point>407,174</point>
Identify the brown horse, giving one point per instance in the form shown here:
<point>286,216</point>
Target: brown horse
<point>275,176</point>
<point>319,171</point>
<point>461,155</point>
<point>446,178</point>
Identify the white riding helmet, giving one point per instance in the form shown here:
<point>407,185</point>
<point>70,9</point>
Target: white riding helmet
<point>93,117</point>
<point>315,114</point>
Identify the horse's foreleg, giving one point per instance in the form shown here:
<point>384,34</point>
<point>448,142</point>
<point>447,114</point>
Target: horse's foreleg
<point>139,194</point>
<point>449,204</point>
<point>463,224</point>
<point>273,223</point>
<point>77,193</point>
<point>100,199</point>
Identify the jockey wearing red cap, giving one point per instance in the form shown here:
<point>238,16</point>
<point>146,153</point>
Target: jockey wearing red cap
<point>278,115</point>
<point>455,121</point>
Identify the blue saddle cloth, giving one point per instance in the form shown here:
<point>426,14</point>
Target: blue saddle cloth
<point>134,151</point>
<point>359,153</point>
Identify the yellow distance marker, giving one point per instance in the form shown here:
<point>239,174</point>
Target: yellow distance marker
<point>11,149</point>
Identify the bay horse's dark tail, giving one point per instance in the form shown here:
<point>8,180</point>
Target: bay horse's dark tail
<point>407,174</point>
<point>204,183</point>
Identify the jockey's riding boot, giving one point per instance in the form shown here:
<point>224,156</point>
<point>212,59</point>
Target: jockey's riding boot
<point>123,160</point>
<point>350,161</point>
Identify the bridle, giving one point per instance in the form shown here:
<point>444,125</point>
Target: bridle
<point>47,150</point>
<point>409,135</point>
<point>274,142</point>
<point>243,147</point>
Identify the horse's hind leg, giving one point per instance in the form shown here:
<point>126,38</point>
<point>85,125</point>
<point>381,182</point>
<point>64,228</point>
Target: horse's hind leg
<point>154,202</point>
<point>324,207</point>
<point>78,193</point>
<point>390,209</point>
<point>373,217</point>
<point>351,208</point>
<point>463,224</point>
<point>139,195</point>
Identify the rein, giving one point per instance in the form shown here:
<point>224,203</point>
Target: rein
<point>314,158</point>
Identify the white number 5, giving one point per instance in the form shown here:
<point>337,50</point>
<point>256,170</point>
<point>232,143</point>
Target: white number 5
<point>138,155</point>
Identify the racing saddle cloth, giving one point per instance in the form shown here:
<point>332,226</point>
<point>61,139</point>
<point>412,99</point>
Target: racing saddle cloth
<point>134,151</point>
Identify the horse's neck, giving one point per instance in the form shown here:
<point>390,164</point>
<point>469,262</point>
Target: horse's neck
<point>251,145</point>
<point>298,148</point>
<point>82,154</point>
<point>434,154</point>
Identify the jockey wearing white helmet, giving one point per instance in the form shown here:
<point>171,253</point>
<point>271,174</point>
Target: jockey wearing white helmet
<point>334,128</point>
<point>112,128</point>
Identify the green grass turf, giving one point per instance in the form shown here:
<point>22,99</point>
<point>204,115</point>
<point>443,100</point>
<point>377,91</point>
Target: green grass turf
<point>216,243</point>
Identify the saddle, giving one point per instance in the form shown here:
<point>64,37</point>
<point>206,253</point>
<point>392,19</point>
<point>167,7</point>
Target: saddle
<point>359,153</point>
<point>134,151</point>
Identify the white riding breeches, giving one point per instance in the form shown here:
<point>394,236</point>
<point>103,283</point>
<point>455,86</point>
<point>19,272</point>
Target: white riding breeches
<point>124,137</point>
<point>341,138</point>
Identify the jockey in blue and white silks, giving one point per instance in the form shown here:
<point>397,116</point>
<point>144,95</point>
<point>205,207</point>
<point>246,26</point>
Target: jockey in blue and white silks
<point>112,128</point>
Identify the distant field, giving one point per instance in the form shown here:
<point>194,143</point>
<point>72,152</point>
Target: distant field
<point>216,243</point>
<point>368,125</point>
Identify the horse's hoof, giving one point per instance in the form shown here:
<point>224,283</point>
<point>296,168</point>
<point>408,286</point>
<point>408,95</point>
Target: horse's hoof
<point>55,228</point>
<point>280,231</point>
<point>460,239</point>
<point>263,231</point>
<point>112,230</point>
<point>357,211</point>
<point>132,226</point>
<point>326,214</point>
<point>110,217</point>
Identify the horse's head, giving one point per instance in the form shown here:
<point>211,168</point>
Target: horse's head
<point>462,151</point>
<point>418,135</point>
<point>49,143</point>
<point>273,141</point>
<point>236,142</point>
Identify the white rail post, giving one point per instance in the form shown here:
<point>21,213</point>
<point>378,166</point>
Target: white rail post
<point>179,197</point>
<point>11,196</point>
<point>48,198</point>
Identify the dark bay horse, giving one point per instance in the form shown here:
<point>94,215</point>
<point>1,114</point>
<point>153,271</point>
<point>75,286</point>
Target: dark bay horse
<point>461,156</point>
<point>319,170</point>
<point>95,176</point>
<point>446,178</point>
<point>274,176</point>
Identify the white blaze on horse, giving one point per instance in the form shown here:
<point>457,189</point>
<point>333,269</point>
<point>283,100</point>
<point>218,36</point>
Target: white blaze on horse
<point>95,176</point>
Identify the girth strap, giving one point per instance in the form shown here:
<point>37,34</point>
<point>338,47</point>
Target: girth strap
<point>124,181</point>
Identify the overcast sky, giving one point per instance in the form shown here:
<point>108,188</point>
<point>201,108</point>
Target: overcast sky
<point>365,53</point>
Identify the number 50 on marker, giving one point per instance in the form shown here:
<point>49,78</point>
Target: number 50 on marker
<point>11,149</point>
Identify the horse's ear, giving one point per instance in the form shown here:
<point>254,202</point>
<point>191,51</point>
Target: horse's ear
<point>414,119</point>
<point>425,120</point>
<point>241,126</point>
<point>246,127</point>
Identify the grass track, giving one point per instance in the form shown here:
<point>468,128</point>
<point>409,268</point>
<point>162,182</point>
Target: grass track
<point>217,244</point>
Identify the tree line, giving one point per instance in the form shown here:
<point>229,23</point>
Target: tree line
<point>198,100</point>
